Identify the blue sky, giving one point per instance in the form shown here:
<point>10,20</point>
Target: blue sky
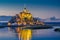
<point>39,8</point>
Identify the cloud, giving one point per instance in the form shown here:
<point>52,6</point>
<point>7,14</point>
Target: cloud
<point>7,12</point>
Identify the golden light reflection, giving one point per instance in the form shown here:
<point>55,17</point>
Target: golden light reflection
<point>24,34</point>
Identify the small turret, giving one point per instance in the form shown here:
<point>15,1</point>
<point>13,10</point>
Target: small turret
<point>25,10</point>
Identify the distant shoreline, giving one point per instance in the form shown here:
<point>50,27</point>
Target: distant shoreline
<point>53,23</point>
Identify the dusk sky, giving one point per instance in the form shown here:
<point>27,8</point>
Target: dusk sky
<point>38,8</point>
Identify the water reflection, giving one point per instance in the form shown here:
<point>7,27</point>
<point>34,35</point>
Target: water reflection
<point>43,34</point>
<point>23,34</point>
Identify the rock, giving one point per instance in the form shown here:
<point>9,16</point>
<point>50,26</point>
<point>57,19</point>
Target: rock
<point>57,29</point>
<point>39,27</point>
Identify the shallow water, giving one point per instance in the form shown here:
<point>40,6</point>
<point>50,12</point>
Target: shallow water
<point>41,34</point>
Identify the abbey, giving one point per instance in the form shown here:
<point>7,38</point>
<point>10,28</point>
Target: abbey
<point>25,18</point>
